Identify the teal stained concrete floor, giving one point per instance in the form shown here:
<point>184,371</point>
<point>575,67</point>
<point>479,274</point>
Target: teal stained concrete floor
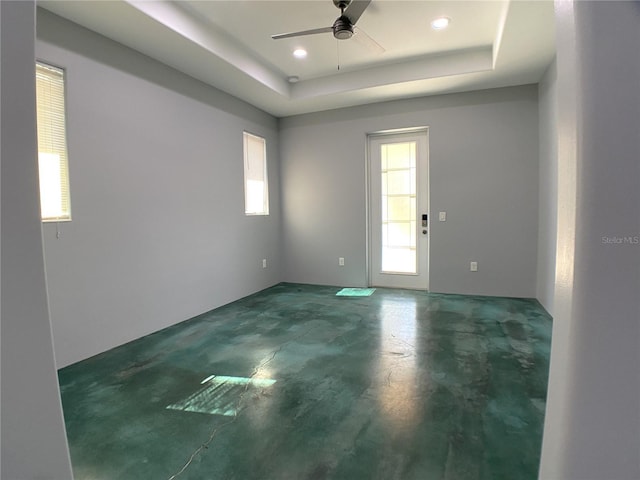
<point>296,383</point>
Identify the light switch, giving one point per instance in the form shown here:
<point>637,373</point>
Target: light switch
<point>443,216</point>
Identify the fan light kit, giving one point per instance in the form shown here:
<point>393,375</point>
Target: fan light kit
<point>440,23</point>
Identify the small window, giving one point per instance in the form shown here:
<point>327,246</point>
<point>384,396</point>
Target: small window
<point>256,189</point>
<point>55,205</point>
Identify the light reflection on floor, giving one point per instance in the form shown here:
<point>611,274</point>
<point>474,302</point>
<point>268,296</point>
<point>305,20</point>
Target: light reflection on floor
<point>397,365</point>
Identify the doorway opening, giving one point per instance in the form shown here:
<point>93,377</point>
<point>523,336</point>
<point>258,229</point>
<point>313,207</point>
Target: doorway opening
<point>398,209</point>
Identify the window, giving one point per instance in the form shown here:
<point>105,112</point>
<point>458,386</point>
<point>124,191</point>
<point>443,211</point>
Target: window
<point>52,144</point>
<point>256,191</point>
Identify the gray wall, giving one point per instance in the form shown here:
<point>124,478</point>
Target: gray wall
<point>548,194</point>
<point>156,178</point>
<point>592,424</point>
<point>483,173</point>
<point>33,439</point>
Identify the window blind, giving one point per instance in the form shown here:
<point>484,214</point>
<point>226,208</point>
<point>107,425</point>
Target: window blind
<point>255,175</point>
<point>55,203</point>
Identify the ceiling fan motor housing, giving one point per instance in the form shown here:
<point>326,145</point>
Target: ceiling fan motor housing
<point>342,28</point>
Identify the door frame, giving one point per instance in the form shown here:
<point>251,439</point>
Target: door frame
<point>368,196</point>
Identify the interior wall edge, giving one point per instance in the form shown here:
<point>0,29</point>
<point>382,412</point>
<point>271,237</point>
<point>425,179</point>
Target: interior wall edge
<point>33,440</point>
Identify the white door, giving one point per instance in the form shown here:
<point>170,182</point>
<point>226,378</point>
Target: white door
<point>398,209</point>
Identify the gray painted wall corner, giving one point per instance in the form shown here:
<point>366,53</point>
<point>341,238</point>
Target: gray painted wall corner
<point>592,426</point>
<point>548,190</point>
<point>33,438</point>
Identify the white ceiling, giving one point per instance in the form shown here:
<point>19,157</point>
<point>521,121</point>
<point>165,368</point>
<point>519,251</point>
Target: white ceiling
<point>228,44</point>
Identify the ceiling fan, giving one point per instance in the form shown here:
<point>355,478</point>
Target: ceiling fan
<point>345,25</point>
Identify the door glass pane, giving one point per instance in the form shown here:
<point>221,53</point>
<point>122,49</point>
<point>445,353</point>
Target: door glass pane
<point>398,181</point>
<point>399,234</point>
<point>399,208</point>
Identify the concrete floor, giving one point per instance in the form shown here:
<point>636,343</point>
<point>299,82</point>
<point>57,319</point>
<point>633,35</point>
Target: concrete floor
<point>296,383</point>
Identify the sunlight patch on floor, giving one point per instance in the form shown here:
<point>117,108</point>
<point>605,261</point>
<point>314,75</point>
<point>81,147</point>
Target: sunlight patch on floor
<point>355,292</point>
<point>220,396</point>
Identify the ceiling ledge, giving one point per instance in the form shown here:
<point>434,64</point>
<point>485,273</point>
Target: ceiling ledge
<point>422,68</point>
<point>497,41</point>
<point>213,40</point>
<point>218,43</point>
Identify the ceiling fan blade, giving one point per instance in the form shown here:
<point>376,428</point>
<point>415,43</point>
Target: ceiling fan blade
<point>355,9</point>
<point>304,32</point>
<point>365,40</point>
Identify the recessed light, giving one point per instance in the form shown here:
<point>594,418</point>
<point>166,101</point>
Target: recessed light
<point>293,79</point>
<point>299,53</point>
<point>440,23</point>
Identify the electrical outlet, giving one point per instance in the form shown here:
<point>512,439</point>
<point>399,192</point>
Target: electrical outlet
<point>264,263</point>
<point>341,261</point>
<point>473,266</point>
